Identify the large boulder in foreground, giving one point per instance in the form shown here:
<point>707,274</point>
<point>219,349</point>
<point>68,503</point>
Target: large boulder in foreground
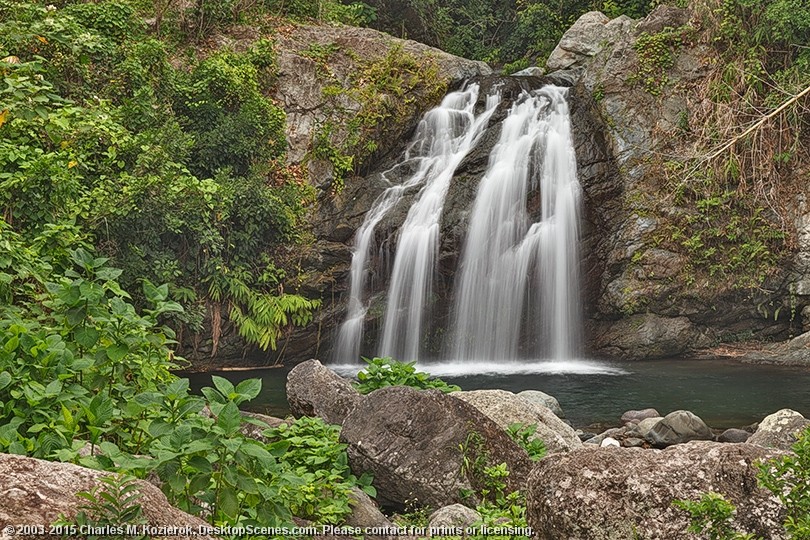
<point>620,493</point>
<point>36,493</point>
<point>780,429</point>
<point>506,408</point>
<point>314,390</point>
<point>415,443</point>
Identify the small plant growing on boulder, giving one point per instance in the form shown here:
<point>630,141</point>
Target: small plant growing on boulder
<point>382,372</point>
<point>523,435</point>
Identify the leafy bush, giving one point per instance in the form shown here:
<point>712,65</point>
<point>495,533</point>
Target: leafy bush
<point>382,372</point>
<point>79,366</point>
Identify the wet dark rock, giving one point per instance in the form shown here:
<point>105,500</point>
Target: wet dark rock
<point>733,435</point>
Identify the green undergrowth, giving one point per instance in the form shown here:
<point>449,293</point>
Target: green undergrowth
<point>86,378</point>
<point>384,372</point>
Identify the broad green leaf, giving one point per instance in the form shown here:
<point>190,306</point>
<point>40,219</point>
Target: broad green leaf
<point>117,352</point>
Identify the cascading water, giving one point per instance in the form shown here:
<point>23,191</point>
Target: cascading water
<point>506,257</point>
<point>455,132</point>
<point>517,286</point>
<point>443,138</point>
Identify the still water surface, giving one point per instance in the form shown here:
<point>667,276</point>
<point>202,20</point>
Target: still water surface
<point>723,393</point>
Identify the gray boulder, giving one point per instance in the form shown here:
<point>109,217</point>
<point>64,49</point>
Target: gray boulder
<point>506,408</point>
<point>734,435</point>
<point>583,40</point>
<point>643,428</point>
<point>365,512</point>
<point>36,493</point>
<point>619,493</point>
<point>634,417</point>
<point>546,400</point>
<point>314,390</point>
<point>447,521</point>
<point>679,427</point>
<point>780,429</point>
<point>416,444</point>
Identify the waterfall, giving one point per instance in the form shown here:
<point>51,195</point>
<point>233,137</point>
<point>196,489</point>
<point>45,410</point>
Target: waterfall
<point>444,136</point>
<point>513,272</point>
<point>516,290</point>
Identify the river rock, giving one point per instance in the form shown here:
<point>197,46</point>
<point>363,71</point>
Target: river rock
<point>734,435</point>
<point>36,492</point>
<point>415,442</point>
<point>679,427</point>
<point>314,390</point>
<point>365,512</point>
<point>620,493</point>
<point>612,433</point>
<point>543,399</point>
<point>780,429</point>
<point>634,417</point>
<point>454,516</point>
<point>506,408</point>
<point>608,442</point>
<point>642,429</point>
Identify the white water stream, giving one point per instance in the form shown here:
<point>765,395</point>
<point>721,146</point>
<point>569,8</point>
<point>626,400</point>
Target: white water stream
<point>443,138</point>
<point>517,284</point>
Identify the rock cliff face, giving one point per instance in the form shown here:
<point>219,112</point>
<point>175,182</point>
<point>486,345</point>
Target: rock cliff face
<point>647,294</point>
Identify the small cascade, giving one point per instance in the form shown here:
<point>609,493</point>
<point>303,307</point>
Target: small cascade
<point>444,136</point>
<point>516,277</point>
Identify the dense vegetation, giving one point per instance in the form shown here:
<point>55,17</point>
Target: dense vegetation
<point>171,167</point>
<point>513,33</point>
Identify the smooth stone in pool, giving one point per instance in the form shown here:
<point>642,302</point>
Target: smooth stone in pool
<point>780,429</point>
<point>642,429</point>
<point>679,427</point>
<point>733,435</point>
<point>546,400</point>
<point>634,417</point>
<point>633,442</point>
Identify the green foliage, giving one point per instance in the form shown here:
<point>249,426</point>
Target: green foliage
<point>656,54</point>
<point>788,478</point>
<point>111,506</point>
<point>525,436</point>
<point>89,371</point>
<point>315,456</point>
<point>177,175</point>
<point>382,372</point>
<point>712,516</point>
